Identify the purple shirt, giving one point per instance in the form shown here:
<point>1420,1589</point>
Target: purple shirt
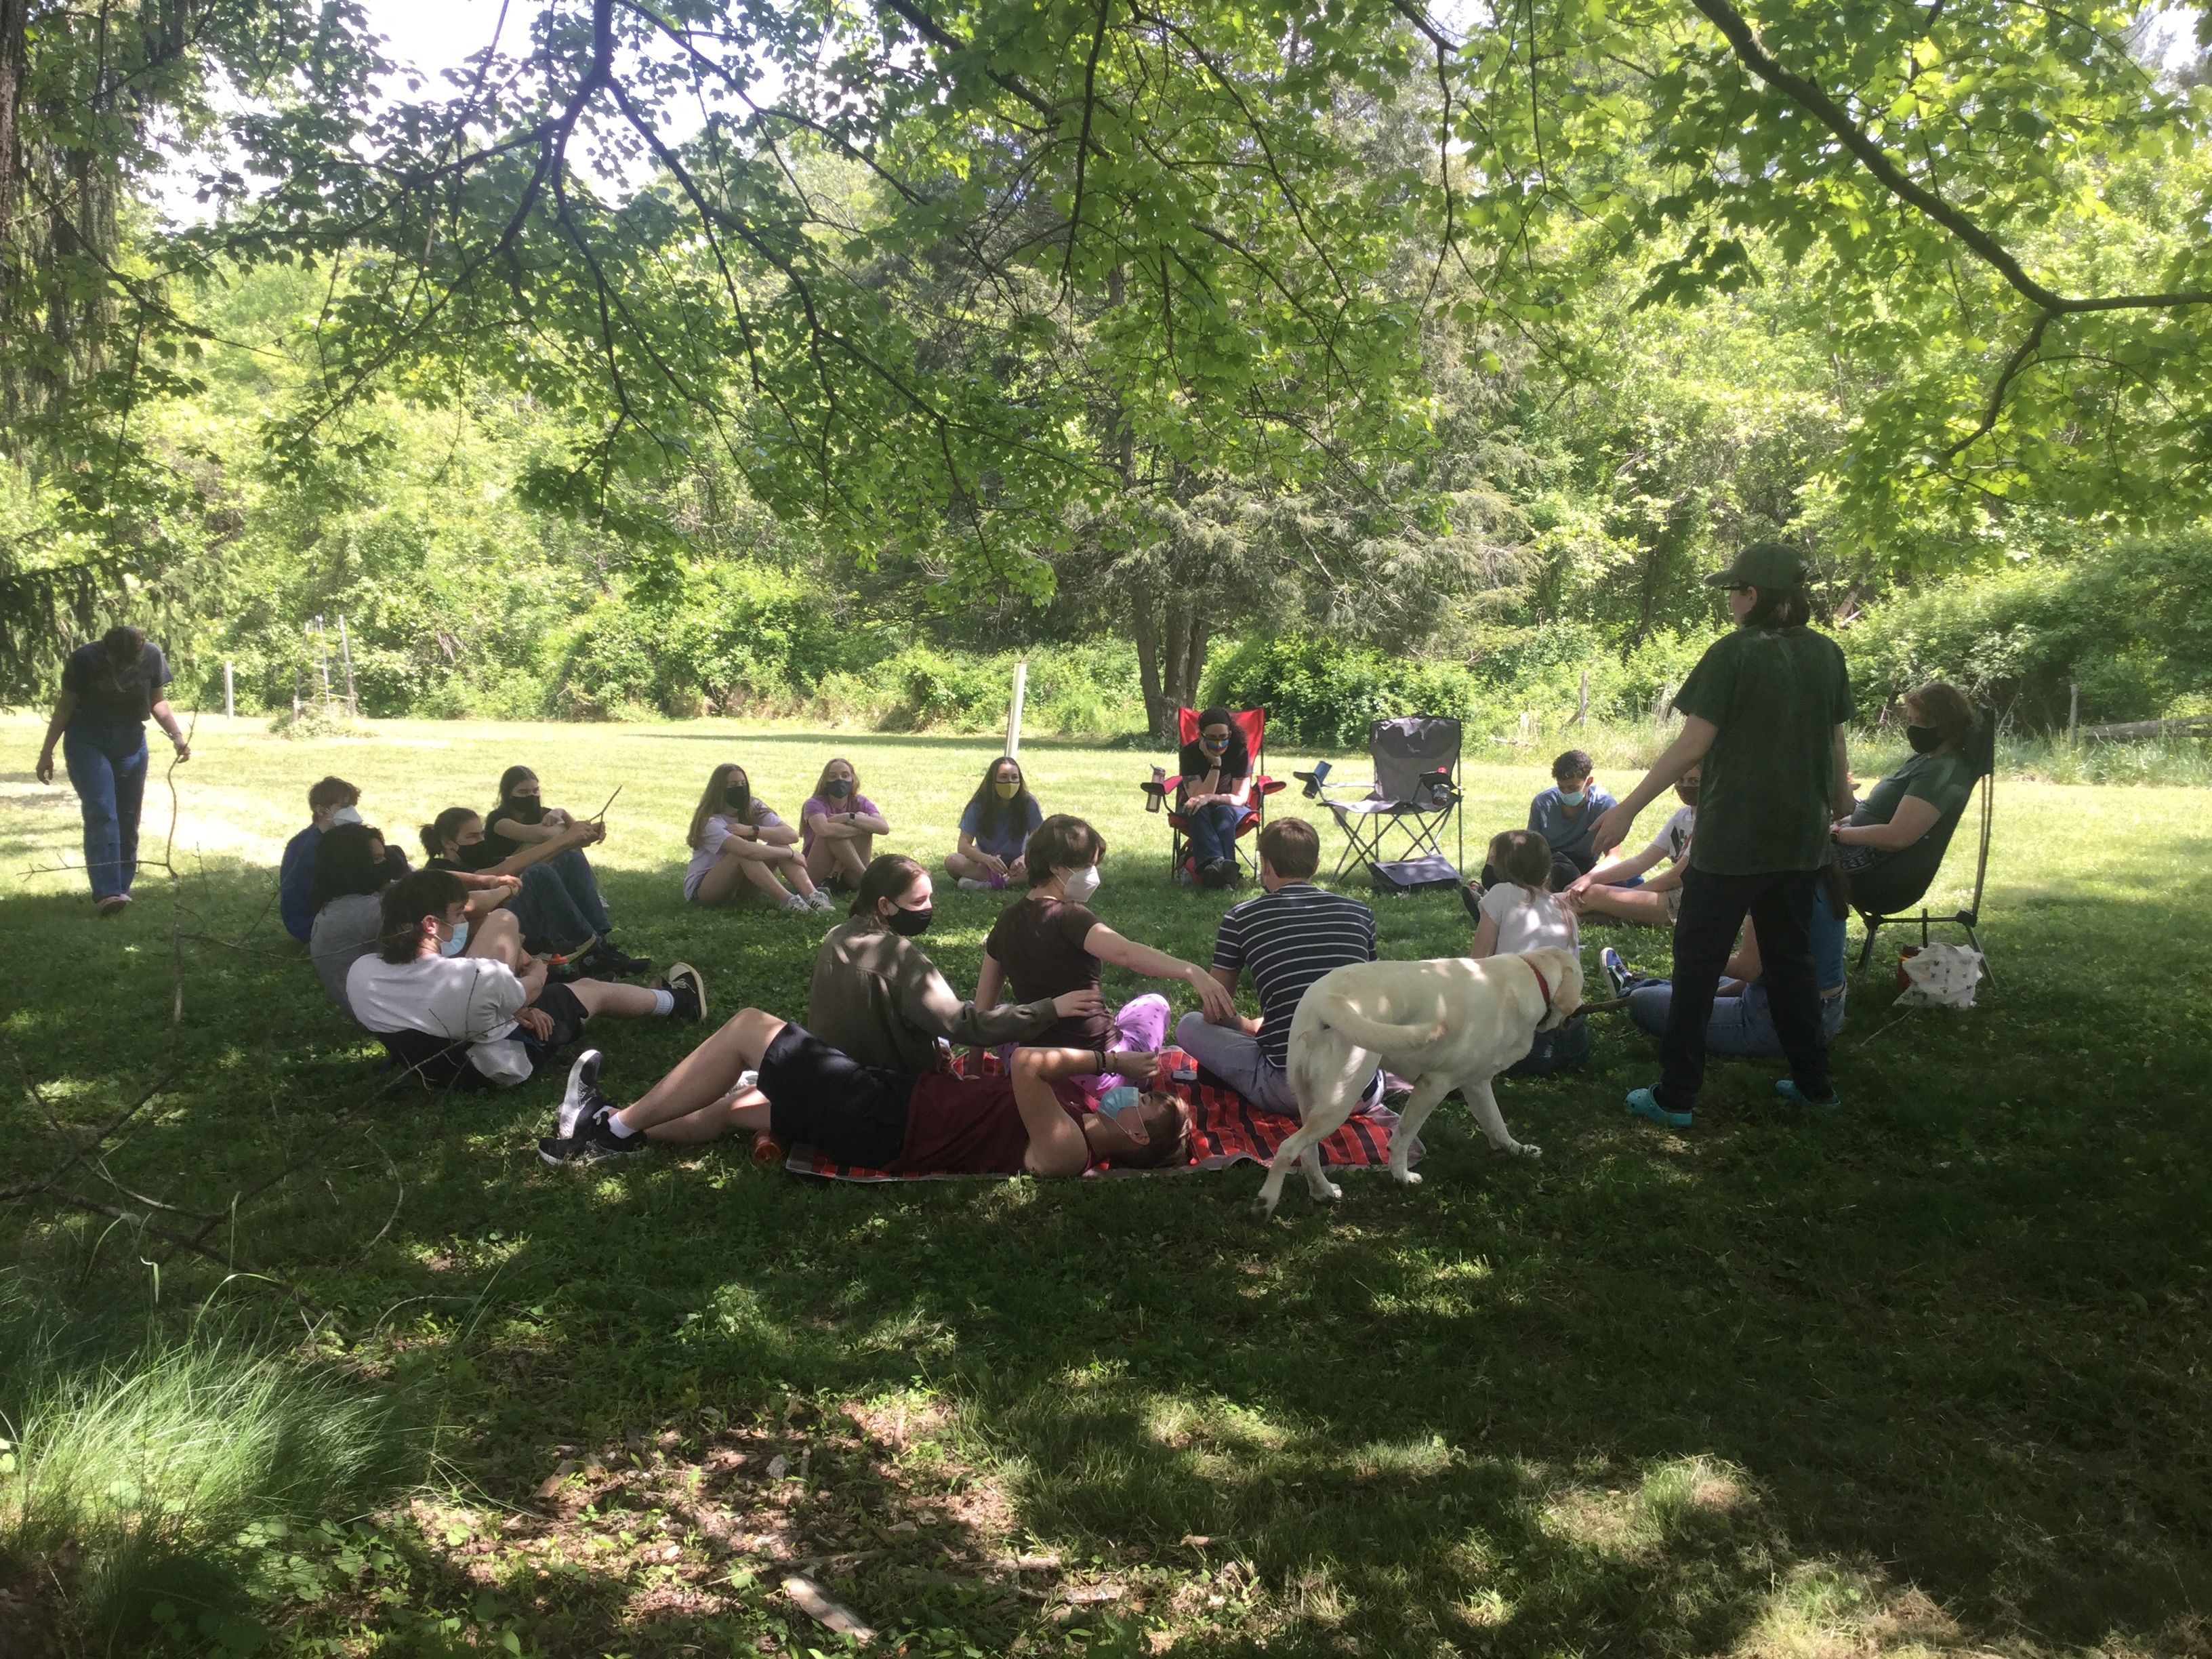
<point>829,808</point>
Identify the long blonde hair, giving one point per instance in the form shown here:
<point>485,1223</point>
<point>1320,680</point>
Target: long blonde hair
<point>837,760</point>
<point>712,805</point>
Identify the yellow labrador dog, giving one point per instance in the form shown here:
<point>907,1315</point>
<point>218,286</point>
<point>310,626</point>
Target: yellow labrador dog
<point>1454,1024</point>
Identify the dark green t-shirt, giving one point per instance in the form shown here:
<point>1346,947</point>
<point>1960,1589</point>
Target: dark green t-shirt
<point>1777,695</point>
<point>1943,780</point>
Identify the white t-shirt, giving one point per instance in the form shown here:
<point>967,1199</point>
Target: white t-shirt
<point>1528,922</point>
<point>711,838</point>
<point>1673,837</point>
<point>472,999</point>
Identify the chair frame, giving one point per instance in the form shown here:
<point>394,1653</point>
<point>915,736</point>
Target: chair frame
<point>1427,822</point>
<point>1970,918</point>
<point>1255,806</point>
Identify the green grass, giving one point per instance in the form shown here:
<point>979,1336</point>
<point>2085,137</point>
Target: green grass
<point>1932,1374</point>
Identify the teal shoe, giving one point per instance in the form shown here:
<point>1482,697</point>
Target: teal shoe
<point>1645,1103</point>
<point>1787,1088</point>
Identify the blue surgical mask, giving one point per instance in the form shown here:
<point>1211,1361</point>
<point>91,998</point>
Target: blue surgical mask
<point>455,946</point>
<point>1573,796</point>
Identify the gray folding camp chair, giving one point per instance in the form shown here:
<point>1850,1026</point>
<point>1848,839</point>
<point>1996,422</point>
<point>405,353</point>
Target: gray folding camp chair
<point>1884,895</point>
<point>1412,798</point>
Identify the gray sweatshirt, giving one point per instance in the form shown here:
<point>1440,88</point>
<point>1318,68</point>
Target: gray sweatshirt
<point>878,998</point>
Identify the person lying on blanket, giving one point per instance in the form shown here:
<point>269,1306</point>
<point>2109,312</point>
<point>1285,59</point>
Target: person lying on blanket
<point>807,1093</point>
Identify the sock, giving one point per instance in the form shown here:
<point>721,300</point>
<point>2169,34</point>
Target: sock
<point>663,1002</point>
<point>623,1131</point>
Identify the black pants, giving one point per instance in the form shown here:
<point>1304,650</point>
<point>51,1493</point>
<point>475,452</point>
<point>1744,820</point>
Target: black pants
<point>1780,905</point>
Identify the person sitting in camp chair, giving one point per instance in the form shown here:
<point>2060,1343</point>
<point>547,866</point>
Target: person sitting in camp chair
<point>1910,805</point>
<point>1216,795</point>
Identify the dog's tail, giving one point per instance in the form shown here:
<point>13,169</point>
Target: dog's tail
<point>1373,1034</point>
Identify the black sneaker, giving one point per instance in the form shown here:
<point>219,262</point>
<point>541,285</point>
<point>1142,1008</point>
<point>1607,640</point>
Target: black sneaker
<point>582,1099</point>
<point>595,1141</point>
<point>1470,895</point>
<point>689,987</point>
<point>610,961</point>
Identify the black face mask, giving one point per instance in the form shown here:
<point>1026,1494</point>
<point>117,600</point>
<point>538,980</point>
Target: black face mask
<point>836,789</point>
<point>1924,739</point>
<point>738,798</point>
<point>909,922</point>
<point>1686,793</point>
<point>525,809</point>
<point>479,855</point>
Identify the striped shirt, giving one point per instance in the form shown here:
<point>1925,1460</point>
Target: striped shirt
<point>1289,939</point>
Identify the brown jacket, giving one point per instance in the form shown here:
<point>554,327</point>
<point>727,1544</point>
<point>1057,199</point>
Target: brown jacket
<point>878,999</point>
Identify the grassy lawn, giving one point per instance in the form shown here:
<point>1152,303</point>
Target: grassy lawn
<point>1933,1373</point>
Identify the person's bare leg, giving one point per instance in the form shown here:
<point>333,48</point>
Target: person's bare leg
<point>601,996</point>
<point>703,1076</point>
<point>741,1111</point>
<point>498,938</point>
<point>1629,904</point>
<point>852,857</point>
<point>821,859</point>
<point>794,872</point>
<point>961,867</point>
<point>732,874</point>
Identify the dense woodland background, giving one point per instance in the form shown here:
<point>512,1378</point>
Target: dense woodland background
<point>1173,350</point>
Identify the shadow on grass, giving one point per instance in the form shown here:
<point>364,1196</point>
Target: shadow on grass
<point>1657,1392</point>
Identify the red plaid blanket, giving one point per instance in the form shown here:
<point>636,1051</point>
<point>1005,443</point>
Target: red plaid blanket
<point>1225,1130</point>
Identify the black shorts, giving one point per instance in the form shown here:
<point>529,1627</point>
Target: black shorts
<point>820,1097</point>
<point>441,1063</point>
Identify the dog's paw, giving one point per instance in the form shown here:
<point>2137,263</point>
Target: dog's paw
<point>1327,1192</point>
<point>1405,1177</point>
<point>1524,1149</point>
<point>1263,1208</point>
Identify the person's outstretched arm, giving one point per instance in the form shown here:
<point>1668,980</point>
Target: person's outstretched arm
<point>583,834</point>
<point>1688,749</point>
<point>928,1004</point>
<point>166,717</point>
<point>1108,945</point>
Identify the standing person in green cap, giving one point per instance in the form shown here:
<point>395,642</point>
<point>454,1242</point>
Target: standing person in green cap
<point>1764,713</point>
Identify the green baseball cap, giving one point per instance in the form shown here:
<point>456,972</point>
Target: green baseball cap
<point>1770,567</point>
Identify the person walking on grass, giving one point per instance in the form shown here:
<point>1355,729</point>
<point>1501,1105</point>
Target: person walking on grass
<point>109,689</point>
<point>1765,712</point>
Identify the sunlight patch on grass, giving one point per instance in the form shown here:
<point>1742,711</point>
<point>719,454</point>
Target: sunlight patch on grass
<point>1823,1610</point>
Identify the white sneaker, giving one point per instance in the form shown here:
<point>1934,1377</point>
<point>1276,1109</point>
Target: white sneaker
<point>969,885</point>
<point>794,904</point>
<point>822,901</point>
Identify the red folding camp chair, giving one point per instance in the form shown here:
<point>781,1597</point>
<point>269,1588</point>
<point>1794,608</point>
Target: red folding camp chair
<point>1252,724</point>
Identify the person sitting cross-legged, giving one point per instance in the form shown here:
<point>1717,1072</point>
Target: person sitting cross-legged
<point>1286,939</point>
<point>331,802</point>
<point>453,1016</point>
<point>761,1072</point>
<point>837,827</point>
<point>994,830</point>
<point>1620,889</point>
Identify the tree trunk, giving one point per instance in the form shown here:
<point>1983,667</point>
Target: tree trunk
<point>13,52</point>
<point>1195,656</point>
<point>1145,631</point>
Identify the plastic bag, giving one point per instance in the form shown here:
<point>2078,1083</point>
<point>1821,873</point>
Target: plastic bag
<point>1940,976</point>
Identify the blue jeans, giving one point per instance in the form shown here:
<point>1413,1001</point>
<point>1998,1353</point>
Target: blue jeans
<point>1559,1049</point>
<point>107,762</point>
<point>560,903</point>
<point>1213,831</point>
<point>1737,1025</point>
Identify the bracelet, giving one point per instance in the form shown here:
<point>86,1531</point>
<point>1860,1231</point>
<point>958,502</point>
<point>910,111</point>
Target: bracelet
<point>1099,1055</point>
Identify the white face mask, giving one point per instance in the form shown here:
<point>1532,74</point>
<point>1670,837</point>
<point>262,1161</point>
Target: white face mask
<point>1080,885</point>
<point>345,815</point>
<point>455,946</point>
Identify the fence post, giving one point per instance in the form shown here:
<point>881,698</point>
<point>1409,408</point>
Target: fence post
<point>1581,703</point>
<point>2073,713</point>
<point>345,651</point>
<point>229,702</point>
<point>1014,708</point>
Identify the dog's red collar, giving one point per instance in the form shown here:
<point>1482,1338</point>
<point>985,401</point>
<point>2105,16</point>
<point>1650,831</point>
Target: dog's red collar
<point>1542,984</point>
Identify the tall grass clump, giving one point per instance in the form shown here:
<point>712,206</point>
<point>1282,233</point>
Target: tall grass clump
<point>133,1480</point>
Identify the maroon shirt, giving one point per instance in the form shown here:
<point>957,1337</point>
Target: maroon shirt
<point>971,1126</point>
<point>1039,942</point>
